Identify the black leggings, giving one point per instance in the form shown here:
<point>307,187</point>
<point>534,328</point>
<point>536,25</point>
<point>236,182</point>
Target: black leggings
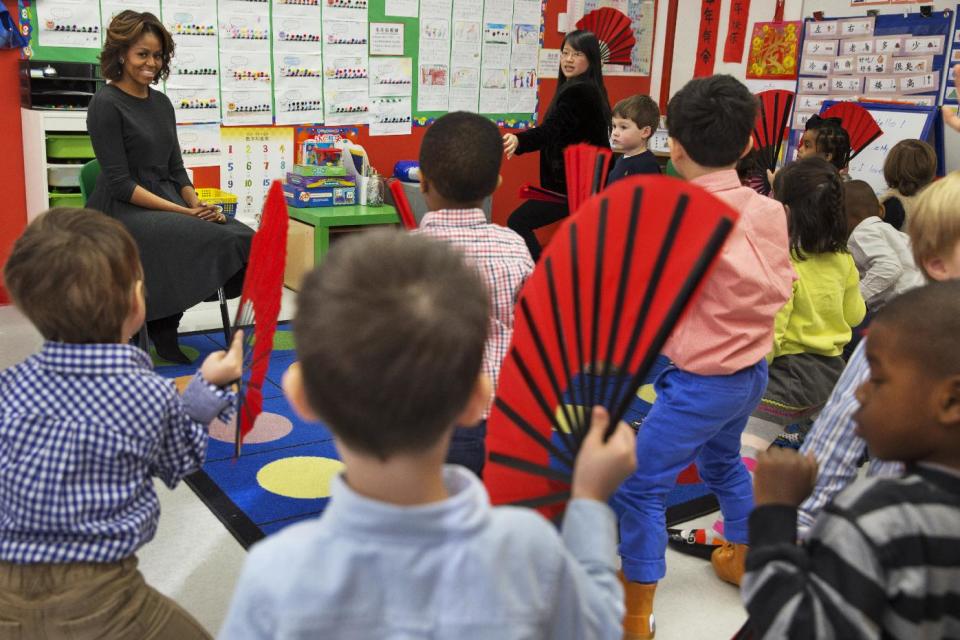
<point>532,215</point>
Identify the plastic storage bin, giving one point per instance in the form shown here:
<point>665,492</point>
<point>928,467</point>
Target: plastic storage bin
<point>66,200</point>
<point>69,146</point>
<point>63,175</point>
<point>223,198</point>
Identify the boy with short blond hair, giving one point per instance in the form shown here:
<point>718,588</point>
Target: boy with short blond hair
<point>390,334</point>
<point>85,426</point>
<point>635,120</point>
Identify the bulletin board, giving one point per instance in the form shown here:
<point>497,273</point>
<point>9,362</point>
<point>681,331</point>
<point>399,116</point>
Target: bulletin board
<point>949,87</point>
<point>505,91</point>
<point>884,58</point>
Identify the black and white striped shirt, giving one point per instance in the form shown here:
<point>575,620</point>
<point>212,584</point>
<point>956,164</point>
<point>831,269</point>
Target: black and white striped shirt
<point>882,561</point>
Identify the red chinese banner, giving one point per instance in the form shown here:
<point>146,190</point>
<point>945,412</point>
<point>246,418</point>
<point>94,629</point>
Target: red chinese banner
<point>707,41</point>
<point>736,30</point>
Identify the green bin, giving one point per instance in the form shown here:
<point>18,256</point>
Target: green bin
<point>66,200</point>
<point>65,146</point>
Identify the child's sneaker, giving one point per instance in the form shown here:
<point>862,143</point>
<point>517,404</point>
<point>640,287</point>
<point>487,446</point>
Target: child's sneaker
<point>638,623</point>
<point>700,543</point>
<point>729,562</point>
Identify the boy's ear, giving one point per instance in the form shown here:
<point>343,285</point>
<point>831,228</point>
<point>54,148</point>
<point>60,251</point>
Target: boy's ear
<point>296,393</point>
<point>477,403</point>
<point>747,149</point>
<point>499,182</point>
<point>646,132</point>
<point>948,402</point>
<point>424,184</point>
<point>936,268</point>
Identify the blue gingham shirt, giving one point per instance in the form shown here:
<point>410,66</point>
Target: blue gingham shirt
<point>83,429</point>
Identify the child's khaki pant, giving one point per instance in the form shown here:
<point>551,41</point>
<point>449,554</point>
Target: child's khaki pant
<point>88,600</point>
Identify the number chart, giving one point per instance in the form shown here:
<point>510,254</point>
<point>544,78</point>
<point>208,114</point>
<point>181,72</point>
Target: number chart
<point>253,157</point>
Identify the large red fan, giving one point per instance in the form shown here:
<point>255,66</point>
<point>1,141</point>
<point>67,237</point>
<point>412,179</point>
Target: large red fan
<point>586,170</point>
<point>857,122</point>
<point>773,116</point>
<point>614,31</point>
<point>260,306</point>
<point>591,320</point>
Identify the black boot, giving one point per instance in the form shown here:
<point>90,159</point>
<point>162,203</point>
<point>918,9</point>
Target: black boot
<point>163,333</point>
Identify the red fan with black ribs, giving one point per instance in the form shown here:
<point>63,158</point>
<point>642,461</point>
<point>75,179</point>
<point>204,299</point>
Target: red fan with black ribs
<point>590,321</point>
<point>586,168</point>
<point>770,130</point>
<point>614,31</point>
<point>857,122</point>
<point>260,306</point>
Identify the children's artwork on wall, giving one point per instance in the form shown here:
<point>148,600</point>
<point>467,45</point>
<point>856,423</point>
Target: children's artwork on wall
<point>68,23</point>
<point>199,144</point>
<point>252,158</point>
<point>774,49</point>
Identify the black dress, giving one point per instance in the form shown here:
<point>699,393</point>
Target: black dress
<point>185,259</point>
<point>578,114</point>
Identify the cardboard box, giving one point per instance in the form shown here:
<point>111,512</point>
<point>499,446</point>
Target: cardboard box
<point>316,182</point>
<point>325,197</point>
<point>300,239</point>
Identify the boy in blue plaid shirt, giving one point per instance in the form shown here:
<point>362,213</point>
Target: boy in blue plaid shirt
<point>85,425</point>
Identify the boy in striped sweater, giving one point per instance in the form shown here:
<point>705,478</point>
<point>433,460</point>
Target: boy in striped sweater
<point>882,560</point>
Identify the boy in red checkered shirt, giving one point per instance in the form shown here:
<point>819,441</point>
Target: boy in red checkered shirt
<point>459,167</point>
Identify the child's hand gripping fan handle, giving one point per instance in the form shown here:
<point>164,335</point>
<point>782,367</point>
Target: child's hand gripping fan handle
<point>783,477</point>
<point>223,367</point>
<point>602,466</point>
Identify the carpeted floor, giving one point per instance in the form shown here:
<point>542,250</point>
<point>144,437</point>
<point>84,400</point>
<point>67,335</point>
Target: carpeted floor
<point>283,473</point>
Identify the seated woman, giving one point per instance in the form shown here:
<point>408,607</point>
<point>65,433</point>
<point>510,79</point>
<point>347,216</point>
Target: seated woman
<point>188,249</point>
<point>579,112</point>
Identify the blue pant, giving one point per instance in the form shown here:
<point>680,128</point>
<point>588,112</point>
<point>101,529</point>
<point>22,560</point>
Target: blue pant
<point>695,418</point>
<point>468,448</point>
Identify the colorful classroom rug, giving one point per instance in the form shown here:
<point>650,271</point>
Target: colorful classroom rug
<point>284,472</point>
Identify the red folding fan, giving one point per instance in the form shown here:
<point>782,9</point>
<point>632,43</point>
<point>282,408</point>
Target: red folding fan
<point>613,30</point>
<point>260,306</point>
<point>591,320</point>
<point>857,122</point>
<point>586,170</point>
<point>533,192</point>
<point>773,116</point>
<point>403,205</point>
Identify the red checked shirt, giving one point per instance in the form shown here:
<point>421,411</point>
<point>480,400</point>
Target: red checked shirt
<point>503,260</point>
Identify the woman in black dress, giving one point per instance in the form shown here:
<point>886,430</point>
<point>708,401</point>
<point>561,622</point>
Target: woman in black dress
<point>579,112</point>
<point>188,249</point>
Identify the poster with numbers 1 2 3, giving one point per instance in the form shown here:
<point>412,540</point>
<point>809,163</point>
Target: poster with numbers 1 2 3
<point>252,158</point>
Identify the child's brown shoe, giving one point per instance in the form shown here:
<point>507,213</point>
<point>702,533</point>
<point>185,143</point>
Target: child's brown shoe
<point>729,562</point>
<point>638,623</point>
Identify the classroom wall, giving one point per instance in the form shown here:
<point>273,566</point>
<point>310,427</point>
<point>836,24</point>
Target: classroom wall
<point>13,212</point>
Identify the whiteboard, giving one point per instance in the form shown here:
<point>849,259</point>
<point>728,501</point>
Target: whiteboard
<point>898,123</point>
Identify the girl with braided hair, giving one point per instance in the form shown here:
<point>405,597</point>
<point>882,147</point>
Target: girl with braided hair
<point>826,138</point>
<point>809,332</point>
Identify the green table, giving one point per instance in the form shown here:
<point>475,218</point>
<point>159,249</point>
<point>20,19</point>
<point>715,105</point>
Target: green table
<point>322,219</point>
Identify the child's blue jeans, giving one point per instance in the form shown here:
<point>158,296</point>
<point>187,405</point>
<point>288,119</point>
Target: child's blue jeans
<point>695,418</point>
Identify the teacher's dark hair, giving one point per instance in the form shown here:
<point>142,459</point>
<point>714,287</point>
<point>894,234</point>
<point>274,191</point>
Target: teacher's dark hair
<point>126,28</point>
<point>586,43</point>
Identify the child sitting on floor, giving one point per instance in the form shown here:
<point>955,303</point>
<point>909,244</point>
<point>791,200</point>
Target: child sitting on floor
<point>719,372</point>
<point>810,330</point>
<point>935,239</point>
<point>881,560</point>
<point>390,333</point>
<point>882,253</point>
<point>455,178</point>
<point>909,167</point>
<point>635,120</point>
<point>85,426</point>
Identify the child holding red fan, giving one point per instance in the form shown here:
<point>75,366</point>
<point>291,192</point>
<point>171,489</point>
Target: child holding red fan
<point>825,137</point>
<point>455,179</point>
<point>85,427</point>
<point>719,371</point>
<point>390,334</point>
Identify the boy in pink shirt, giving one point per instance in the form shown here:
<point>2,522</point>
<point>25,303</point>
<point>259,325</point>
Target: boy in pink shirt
<point>719,372</point>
